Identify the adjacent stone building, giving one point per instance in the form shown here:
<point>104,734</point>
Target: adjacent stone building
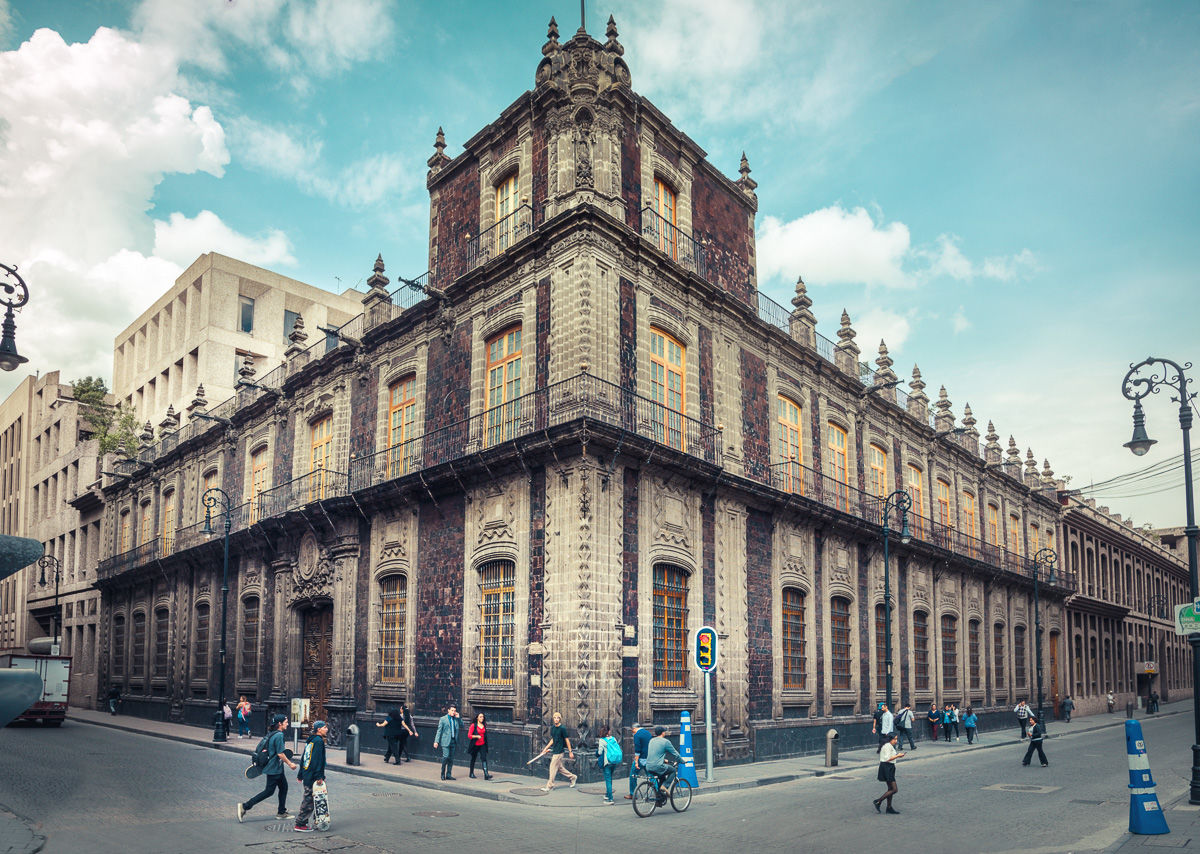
<point>521,486</point>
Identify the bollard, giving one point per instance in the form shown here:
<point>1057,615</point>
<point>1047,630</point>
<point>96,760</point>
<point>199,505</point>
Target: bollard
<point>1129,709</point>
<point>352,745</point>
<point>1145,814</point>
<point>831,748</point>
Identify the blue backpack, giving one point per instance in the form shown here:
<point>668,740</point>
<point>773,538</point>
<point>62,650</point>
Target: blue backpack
<point>613,751</point>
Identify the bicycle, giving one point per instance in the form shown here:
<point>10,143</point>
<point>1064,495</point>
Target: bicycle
<point>649,795</point>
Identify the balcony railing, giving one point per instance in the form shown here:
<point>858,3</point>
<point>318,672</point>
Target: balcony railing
<point>125,561</point>
<point>581,396</point>
<point>677,245</point>
<point>509,231</point>
<point>296,493</point>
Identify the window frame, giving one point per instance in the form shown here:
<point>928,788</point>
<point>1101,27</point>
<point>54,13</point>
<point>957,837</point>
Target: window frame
<point>497,622</point>
<point>877,474</point>
<point>666,206</point>
<point>248,664</point>
<point>320,432</point>
<point>668,413</point>
<point>841,645</point>
<point>949,629</point>
<point>670,621</point>
<point>202,642</point>
<point>401,424</point>
<point>506,209</point>
<point>789,438</point>
<point>915,486</point>
<point>245,303</point>
<point>503,376</point>
<point>794,645</point>
<point>837,440</point>
<point>393,622</point>
<point>920,650</point>
<point>998,654</point>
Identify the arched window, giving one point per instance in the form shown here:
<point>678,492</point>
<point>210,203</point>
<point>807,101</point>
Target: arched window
<point>139,644</point>
<point>913,483</point>
<point>118,646</point>
<point>208,482</point>
<point>670,626</point>
<point>839,637</point>
<point>321,437</point>
<point>506,207</point>
<point>250,624</point>
<point>795,663</point>
<point>838,466</point>
<point>993,523</point>
<point>402,415</point>
<point>791,473</point>
<point>666,234</point>
<point>943,503</point>
<point>667,388</point>
<point>880,647</point>
<point>998,653</point>
<point>1014,533</point>
<point>123,538</point>
<point>393,608</point>
<point>200,644</point>
<point>258,478</point>
<point>503,385</point>
<point>1035,537</point>
<point>877,477</point>
<point>921,650</point>
<point>168,521</point>
<point>949,653</point>
<point>161,641</point>
<point>973,653</point>
<point>497,607</point>
<point>969,511</point>
<point>146,524</point>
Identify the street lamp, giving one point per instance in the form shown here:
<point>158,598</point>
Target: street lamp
<point>17,296</point>
<point>1156,606</point>
<point>1047,558</point>
<point>211,498</point>
<point>52,563</point>
<point>901,501</point>
<point>1135,388</point>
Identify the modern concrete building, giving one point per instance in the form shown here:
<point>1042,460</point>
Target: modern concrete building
<point>200,331</point>
<point>523,489</point>
<point>15,418</point>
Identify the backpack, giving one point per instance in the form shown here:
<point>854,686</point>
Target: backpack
<point>262,756</point>
<point>613,751</point>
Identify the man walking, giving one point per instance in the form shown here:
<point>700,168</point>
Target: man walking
<point>447,737</point>
<point>886,723</point>
<point>641,741</point>
<point>276,781</point>
<point>557,745</point>
<point>904,725</point>
<point>1068,706</point>
<point>1036,735</point>
<point>1022,713</point>
<point>312,770</point>
<point>1112,701</point>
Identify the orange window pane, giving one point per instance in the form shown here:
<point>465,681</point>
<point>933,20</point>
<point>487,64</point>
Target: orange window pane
<point>146,525</point>
<point>506,206</point>
<point>504,386</point>
<point>943,503</point>
<point>322,456</point>
<point>838,469</point>
<point>788,426</point>
<point>968,514</point>
<point>664,206</point>
<point>1014,534</point>
<point>667,388</point>
<point>912,483</point>
<point>168,522</point>
<point>877,471</point>
<point>993,524</point>
<point>402,413</point>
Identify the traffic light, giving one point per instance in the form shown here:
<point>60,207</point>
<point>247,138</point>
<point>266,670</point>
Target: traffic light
<point>706,648</point>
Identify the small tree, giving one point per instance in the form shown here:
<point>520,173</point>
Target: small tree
<point>111,424</point>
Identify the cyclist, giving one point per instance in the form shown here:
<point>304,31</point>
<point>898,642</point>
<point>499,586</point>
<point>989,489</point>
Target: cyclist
<point>657,752</point>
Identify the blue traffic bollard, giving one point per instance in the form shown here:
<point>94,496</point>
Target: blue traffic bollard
<point>1145,814</point>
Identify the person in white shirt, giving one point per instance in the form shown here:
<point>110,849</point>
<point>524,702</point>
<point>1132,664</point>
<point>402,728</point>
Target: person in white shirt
<point>885,724</point>
<point>904,726</point>
<point>888,754</point>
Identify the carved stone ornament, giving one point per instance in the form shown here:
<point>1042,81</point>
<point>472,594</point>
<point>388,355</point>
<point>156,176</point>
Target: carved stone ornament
<point>583,155</point>
<point>670,522</point>
<point>313,572</point>
<point>495,519</point>
<point>920,593</point>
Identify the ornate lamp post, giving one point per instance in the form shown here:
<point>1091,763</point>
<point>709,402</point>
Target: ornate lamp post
<point>900,501</point>
<point>17,295</point>
<point>1136,387</point>
<point>52,563</point>
<point>211,498</point>
<point>1047,558</point>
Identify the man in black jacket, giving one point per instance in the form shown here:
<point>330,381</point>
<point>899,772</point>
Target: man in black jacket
<point>312,770</point>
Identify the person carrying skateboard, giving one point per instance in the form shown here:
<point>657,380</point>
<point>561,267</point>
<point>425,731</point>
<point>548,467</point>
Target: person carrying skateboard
<point>276,779</point>
<point>312,770</point>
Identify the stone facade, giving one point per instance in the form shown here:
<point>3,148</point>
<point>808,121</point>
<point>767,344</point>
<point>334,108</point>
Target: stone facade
<point>569,498</point>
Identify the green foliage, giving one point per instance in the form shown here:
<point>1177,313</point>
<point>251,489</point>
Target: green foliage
<point>111,425</point>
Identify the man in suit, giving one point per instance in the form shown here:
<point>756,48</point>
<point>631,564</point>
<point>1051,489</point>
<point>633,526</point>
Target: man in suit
<point>446,738</point>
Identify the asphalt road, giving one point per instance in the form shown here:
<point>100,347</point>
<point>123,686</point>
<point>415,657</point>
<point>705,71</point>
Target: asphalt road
<point>99,790</point>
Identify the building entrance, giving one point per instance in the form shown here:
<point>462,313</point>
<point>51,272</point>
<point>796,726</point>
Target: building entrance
<point>317,658</point>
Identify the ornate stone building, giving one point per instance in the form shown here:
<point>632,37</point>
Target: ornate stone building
<point>521,482</point>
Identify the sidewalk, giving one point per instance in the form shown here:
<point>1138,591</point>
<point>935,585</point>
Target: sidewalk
<point>526,788</point>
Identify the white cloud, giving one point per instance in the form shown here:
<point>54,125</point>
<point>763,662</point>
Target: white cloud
<point>181,240</point>
<point>879,324</point>
<point>6,24</point>
<point>960,322</point>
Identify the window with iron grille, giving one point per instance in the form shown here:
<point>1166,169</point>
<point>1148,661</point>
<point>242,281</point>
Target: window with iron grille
<point>794,661</point>
<point>921,650</point>
<point>670,626</point>
<point>139,644</point>
<point>250,624</point>
<point>497,612</point>
<point>393,607</point>
<point>998,652</point>
<point>118,650</point>
<point>200,647</point>
<point>949,653</point>
<point>1019,656</point>
<point>973,653</point>
<point>880,647</point>
<point>839,634</point>
<point>161,641</point>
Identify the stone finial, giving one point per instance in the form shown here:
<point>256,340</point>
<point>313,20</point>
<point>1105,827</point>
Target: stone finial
<point>298,336</point>
<point>1012,459</point>
<point>1047,474</point>
<point>943,418</point>
<point>439,158</point>
<point>884,363</point>
<point>246,372</point>
<point>747,183</point>
<point>970,434</point>
<point>1031,467</point>
<point>803,323</point>
<point>296,353</point>
<point>992,449</point>
<point>170,420</point>
<point>612,45</point>
<point>147,434</point>
<point>846,352</point>
<point>551,45</point>
<point>378,281</point>
<point>198,405</point>
<point>918,401</point>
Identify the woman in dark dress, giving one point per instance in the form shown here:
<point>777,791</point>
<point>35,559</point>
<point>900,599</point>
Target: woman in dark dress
<point>408,730</point>
<point>393,728</point>
<point>888,754</point>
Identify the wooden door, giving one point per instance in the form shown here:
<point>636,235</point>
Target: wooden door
<point>317,658</point>
<point>1054,666</point>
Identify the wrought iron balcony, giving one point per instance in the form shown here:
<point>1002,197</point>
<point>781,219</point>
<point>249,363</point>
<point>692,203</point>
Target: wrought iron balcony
<point>297,493</point>
<point>507,232</point>
<point>127,560</point>
<point>677,245</point>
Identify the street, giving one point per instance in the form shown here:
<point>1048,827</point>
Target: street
<point>87,788</point>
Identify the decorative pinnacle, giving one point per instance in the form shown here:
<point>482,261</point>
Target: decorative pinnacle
<point>1014,454</point>
<point>801,299</point>
<point>968,419</point>
<point>993,438</point>
<point>298,336</point>
<point>551,44</point>
<point>246,371</point>
<point>916,383</point>
<point>147,434</point>
<point>378,281</point>
<point>1030,462</point>
<point>439,142</point>
<point>1047,472</point>
<point>744,168</point>
<point>846,333</point>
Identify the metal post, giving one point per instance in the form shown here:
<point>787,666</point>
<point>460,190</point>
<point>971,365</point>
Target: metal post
<point>54,565</point>
<point>708,742</point>
<point>1047,558</point>
<point>211,498</point>
<point>1135,388</point>
<point>901,501</point>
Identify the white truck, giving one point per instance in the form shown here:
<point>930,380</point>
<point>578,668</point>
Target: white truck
<point>55,671</point>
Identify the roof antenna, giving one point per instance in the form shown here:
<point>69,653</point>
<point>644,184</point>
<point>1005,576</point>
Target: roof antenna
<point>582,16</point>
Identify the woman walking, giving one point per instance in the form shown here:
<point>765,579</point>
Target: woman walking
<point>409,730</point>
<point>602,758</point>
<point>971,724</point>
<point>947,721</point>
<point>393,727</point>
<point>243,717</point>
<point>888,755</point>
<point>477,745</point>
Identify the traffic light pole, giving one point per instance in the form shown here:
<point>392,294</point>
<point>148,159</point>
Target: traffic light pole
<point>708,753</point>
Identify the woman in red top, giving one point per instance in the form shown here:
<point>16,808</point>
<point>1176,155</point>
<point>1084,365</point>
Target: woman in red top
<point>477,744</point>
<point>243,716</point>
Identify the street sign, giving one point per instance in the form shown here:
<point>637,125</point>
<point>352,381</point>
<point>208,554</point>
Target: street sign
<point>1187,619</point>
<point>706,649</point>
<point>1196,605</point>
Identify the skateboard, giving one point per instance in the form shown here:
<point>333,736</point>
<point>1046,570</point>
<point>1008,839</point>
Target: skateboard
<point>320,805</point>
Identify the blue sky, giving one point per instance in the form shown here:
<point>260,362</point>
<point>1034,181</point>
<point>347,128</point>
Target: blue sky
<point>1005,192</point>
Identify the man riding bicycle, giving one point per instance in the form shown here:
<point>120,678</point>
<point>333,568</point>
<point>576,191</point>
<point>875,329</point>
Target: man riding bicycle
<point>660,748</point>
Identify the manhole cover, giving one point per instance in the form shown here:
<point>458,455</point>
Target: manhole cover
<point>385,794</point>
<point>436,813</point>
<point>529,793</point>
<point>285,827</point>
<point>1019,787</point>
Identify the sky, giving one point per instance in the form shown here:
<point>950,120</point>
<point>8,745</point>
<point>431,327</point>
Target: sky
<point>1004,192</point>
